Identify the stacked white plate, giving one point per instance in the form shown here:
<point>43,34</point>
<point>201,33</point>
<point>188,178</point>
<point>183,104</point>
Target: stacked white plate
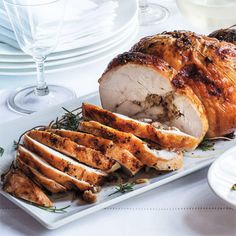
<point>122,33</point>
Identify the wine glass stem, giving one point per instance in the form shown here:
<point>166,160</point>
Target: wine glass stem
<point>41,88</point>
<point>143,4</point>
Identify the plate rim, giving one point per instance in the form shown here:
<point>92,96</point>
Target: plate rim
<point>15,65</point>
<point>73,52</point>
<point>71,65</point>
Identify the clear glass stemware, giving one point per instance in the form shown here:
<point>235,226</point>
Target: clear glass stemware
<point>151,13</point>
<point>37,25</point>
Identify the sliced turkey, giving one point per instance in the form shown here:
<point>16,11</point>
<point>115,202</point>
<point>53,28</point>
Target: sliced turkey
<point>167,138</point>
<point>81,153</point>
<point>127,160</point>
<point>65,163</point>
<point>139,86</point>
<point>158,159</point>
<point>49,184</point>
<point>44,168</point>
<point>19,185</point>
<point>87,140</point>
<point>131,165</point>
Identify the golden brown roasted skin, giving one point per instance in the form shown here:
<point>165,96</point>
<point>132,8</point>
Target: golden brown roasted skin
<point>19,185</point>
<point>131,164</point>
<point>49,184</point>
<point>87,140</point>
<point>50,172</point>
<point>228,35</point>
<point>207,65</point>
<point>171,114</point>
<point>135,146</point>
<point>66,165</point>
<point>142,130</point>
<point>81,153</point>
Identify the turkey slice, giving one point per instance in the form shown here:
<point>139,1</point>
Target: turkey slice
<point>19,185</point>
<point>88,156</point>
<point>127,160</point>
<point>44,168</point>
<point>49,184</point>
<point>159,159</point>
<point>167,138</point>
<point>65,163</point>
<point>87,140</point>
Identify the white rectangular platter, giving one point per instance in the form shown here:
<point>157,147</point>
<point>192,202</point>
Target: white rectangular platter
<point>10,131</point>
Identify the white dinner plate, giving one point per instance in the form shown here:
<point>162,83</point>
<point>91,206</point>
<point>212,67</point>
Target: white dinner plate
<point>10,54</point>
<point>7,61</point>
<point>222,176</point>
<point>73,62</point>
<point>125,16</point>
<point>193,161</point>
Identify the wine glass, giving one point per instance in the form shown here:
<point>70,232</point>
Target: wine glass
<point>151,13</point>
<point>36,25</point>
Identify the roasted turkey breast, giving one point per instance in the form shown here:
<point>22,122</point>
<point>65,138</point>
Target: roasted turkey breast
<point>19,185</point>
<point>140,86</point>
<point>205,64</point>
<point>64,163</point>
<point>87,140</point>
<point>49,184</point>
<point>166,138</point>
<point>50,172</point>
<point>127,160</point>
<point>158,159</point>
<point>81,153</point>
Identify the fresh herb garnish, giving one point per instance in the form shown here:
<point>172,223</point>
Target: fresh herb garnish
<point>206,145</point>
<point>53,209</point>
<point>123,188</point>
<point>233,187</point>
<point>17,143</point>
<point>70,120</point>
<point>1,151</point>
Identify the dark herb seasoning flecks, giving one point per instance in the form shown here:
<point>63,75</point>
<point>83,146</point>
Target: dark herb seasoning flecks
<point>233,187</point>
<point>1,151</point>
<point>206,145</point>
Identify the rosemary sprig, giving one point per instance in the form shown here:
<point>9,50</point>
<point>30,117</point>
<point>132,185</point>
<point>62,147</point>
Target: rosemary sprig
<point>206,145</point>
<point>1,151</point>
<point>123,188</point>
<point>233,187</point>
<point>70,120</point>
<point>53,209</point>
<point>17,143</point>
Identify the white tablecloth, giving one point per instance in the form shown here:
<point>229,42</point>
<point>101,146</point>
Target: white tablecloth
<point>184,207</point>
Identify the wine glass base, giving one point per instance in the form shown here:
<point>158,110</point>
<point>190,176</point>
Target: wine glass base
<point>153,14</point>
<point>25,101</point>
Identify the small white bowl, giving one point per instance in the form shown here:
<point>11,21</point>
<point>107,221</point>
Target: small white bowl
<point>222,176</point>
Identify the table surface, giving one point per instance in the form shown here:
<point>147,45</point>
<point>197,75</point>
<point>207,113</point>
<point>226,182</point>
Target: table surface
<point>184,207</point>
